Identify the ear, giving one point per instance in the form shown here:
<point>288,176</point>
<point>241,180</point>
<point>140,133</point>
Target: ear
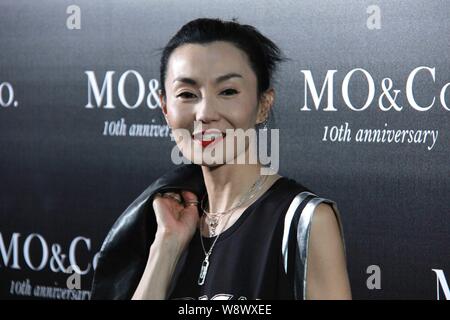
<point>265,104</point>
<point>162,100</point>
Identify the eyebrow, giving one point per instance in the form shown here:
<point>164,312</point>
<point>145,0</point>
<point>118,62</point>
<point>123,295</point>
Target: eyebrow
<point>218,80</point>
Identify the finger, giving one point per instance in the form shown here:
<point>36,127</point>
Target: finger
<point>190,199</point>
<point>173,195</point>
<point>191,202</point>
<point>190,214</point>
<point>158,200</point>
<point>188,196</point>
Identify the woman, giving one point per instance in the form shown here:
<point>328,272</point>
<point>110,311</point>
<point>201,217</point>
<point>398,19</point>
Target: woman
<point>217,229</point>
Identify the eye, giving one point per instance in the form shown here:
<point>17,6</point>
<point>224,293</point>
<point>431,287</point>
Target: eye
<point>186,95</point>
<point>230,92</point>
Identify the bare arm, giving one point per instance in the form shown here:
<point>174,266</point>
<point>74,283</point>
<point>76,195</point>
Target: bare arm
<point>327,276</point>
<point>161,263</point>
<point>177,223</point>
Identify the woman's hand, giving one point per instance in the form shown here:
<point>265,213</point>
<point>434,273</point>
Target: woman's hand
<point>177,220</point>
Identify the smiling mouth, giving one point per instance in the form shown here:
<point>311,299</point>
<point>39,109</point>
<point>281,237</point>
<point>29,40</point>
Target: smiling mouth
<point>208,137</point>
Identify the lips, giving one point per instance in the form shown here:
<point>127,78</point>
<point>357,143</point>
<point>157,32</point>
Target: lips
<point>207,137</point>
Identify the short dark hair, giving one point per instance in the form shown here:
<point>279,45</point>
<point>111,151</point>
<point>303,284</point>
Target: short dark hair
<point>263,54</point>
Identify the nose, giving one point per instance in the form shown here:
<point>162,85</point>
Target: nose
<point>206,110</point>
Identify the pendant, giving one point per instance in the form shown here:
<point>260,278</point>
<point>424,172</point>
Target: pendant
<point>212,224</point>
<point>203,271</point>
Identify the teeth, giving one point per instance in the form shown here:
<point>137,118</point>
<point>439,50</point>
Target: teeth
<point>211,136</point>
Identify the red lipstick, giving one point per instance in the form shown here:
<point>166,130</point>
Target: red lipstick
<point>208,137</point>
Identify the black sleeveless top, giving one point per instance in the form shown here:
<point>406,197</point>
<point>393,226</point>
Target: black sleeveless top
<point>263,255</point>
<point>246,261</point>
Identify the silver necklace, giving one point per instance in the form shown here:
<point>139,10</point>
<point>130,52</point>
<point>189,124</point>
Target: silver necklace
<point>213,218</point>
<point>205,264</point>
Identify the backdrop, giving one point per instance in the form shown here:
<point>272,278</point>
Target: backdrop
<point>362,106</point>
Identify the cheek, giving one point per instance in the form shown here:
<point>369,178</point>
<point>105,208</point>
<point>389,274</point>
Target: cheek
<point>179,117</point>
<point>243,113</point>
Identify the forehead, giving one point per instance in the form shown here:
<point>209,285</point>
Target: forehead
<point>208,61</point>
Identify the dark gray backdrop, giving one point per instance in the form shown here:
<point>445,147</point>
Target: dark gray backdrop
<point>61,178</point>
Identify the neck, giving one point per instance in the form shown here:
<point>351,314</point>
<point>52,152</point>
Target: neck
<point>227,183</point>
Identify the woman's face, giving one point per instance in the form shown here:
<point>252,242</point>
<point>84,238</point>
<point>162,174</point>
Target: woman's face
<point>211,86</point>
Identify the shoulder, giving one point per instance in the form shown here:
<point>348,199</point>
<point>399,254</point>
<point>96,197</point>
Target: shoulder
<point>309,214</point>
<point>326,229</point>
<point>324,216</point>
<point>321,215</point>
<point>327,276</point>
<point>306,206</point>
